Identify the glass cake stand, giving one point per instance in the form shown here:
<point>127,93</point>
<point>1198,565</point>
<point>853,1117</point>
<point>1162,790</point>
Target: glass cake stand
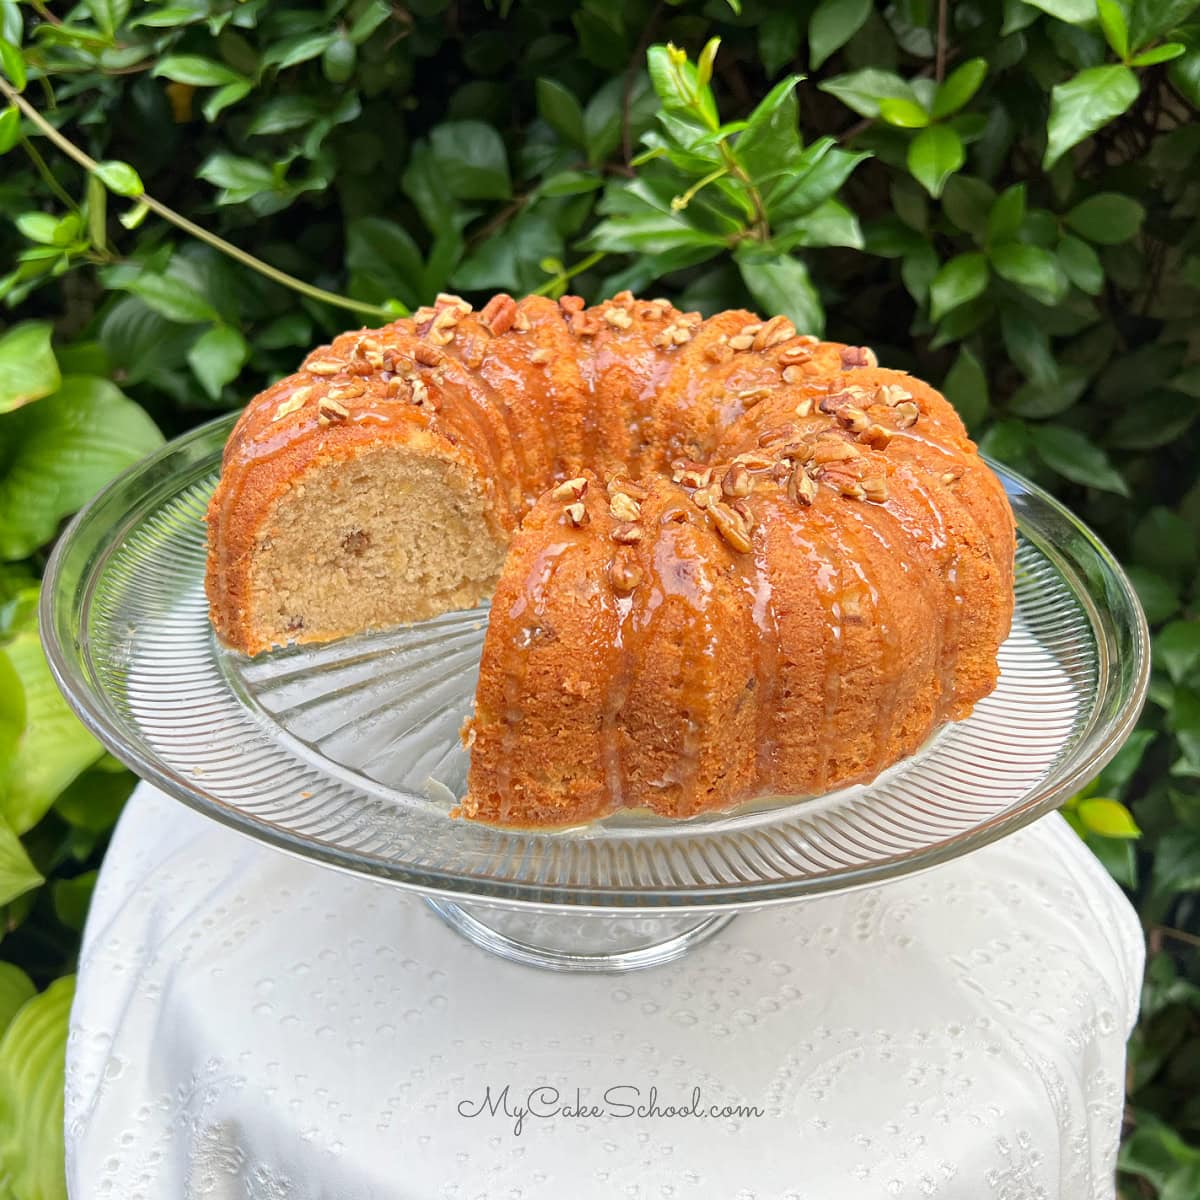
<point>348,754</point>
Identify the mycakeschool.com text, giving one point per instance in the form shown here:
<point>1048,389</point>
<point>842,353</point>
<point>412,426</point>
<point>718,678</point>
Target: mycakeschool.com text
<point>622,1101</point>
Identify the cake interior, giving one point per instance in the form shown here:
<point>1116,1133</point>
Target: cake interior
<point>386,538</point>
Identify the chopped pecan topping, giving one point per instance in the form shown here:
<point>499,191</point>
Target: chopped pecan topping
<point>618,318</point>
<point>350,390</point>
<point>853,418</point>
<point>571,489</point>
<point>577,514</point>
<point>801,486</point>
<point>330,410</point>
<point>891,394</point>
<point>691,474</point>
<point>624,507</point>
<point>539,356</point>
<point>623,573</point>
<point>858,356</point>
<point>498,314</point>
<point>293,403</point>
<point>737,481</point>
<point>731,525</point>
<point>627,533</point>
<point>876,435</point>
<point>752,396</point>
<point>794,356</point>
<point>775,331</point>
<point>777,436</point>
<point>906,414</point>
<point>876,489</point>
<point>325,366</point>
<point>622,483</point>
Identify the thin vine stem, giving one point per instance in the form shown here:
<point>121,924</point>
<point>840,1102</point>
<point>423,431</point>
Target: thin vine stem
<point>565,276</point>
<point>47,175</point>
<point>90,165</point>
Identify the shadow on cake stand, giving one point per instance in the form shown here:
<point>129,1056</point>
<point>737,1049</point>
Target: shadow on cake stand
<point>349,754</point>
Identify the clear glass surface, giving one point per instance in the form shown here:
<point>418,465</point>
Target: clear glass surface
<point>349,754</point>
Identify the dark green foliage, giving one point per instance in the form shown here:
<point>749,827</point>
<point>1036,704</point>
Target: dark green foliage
<point>1002,198</point>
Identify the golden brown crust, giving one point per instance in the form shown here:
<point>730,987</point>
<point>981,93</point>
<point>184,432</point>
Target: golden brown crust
<point>742,560</point>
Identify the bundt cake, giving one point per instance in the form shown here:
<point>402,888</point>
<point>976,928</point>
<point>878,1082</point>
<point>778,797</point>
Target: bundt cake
<point>725,560</point>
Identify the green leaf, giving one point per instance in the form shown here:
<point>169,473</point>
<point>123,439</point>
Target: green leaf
<point>62,450</point>
<point>829,224</point>
<point>1151,19</point>
<point>1177,863</point>
<point>292,51</point>
<point>196,70</point>
<point>1115,26</point>
<point>339,60</point>
<point>1159,54</point>
<point>32,1081</point>
<point>1084,104</point>
<point>28,370</point>
<point>862,90</point>
<point>1107,218</point>
<point>1073,12</point>
<point>94,800</point>
<point>1081,265</point>
<point>1108,818</point>
<point>52,747</point>
<point>120,178</point>
<point>10,128</point>
<point>959,86</point>
<point>72,898</point>
<point>904,114</point>
<point>1184,74</point>
<point>704,64</point>
<point>369,18</point>
<point>832,25</point>
<point>1076,457</point>
<point>934,155</point>
<point>12,62</point>
<point>39,227</point>
<point>966,388</point>
<point>471,159</point>
<point>16,989</point>
<point>17,874</point>
<point>240,179</point>
<point>814,179</point>
<point>1177,648</point>
<point>1007,213</point>
<point>782,286</point>
<point>216,357</point>
<point>173,298</point>
<point>1031,268</point>
<point>1040,398</point>
<point>771,137</point>
<point>561,111</point>
<point>108,14</point>
<point>224,97</point>
<point>960,280</point>
<point>1159,598</point>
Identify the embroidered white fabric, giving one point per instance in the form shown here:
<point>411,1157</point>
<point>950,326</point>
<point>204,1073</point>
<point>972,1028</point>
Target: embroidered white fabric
<point>252,1027</point>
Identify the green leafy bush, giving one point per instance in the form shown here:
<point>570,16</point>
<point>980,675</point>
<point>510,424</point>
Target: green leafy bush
<point>1000,197</point>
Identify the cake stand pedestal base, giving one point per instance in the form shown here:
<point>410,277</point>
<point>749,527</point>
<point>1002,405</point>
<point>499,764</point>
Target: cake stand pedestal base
<point>579,941</point>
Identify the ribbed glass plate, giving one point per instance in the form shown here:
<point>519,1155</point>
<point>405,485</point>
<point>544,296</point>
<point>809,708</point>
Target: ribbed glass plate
<point>349,753</point>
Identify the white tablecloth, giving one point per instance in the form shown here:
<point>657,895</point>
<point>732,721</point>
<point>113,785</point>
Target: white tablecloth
<point>249,1026</point>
